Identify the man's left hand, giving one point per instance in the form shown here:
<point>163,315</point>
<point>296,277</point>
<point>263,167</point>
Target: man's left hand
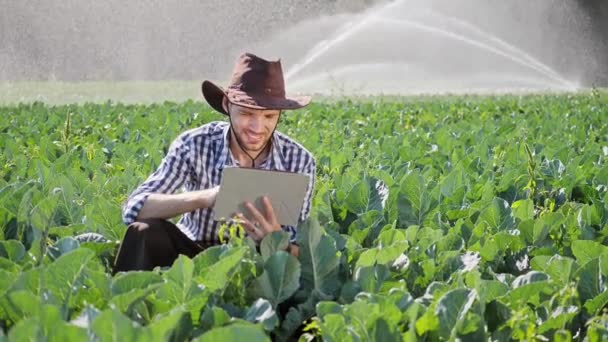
<point>258,225</point>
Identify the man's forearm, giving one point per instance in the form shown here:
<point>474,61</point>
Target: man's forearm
<point>170,205</point>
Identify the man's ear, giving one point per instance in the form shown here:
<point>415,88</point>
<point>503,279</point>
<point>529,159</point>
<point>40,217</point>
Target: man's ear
<point>225,104</point>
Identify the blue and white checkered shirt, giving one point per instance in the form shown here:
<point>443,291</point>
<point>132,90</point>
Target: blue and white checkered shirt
<point>195,161</point>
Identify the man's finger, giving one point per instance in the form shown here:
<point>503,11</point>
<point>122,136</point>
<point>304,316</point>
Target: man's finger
<point>269,210</point>
<point>249,227</point>
<point>257,216</point>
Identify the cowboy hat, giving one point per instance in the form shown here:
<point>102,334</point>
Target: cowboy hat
<point>256,83</point>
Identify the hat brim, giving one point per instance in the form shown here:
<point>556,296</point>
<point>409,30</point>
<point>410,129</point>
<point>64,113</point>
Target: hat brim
<point>214,95</point>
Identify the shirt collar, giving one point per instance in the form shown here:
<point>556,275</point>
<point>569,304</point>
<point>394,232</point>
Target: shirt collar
<point>223,159</point>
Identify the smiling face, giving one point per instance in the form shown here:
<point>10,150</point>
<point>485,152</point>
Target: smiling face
<point>252,127</point>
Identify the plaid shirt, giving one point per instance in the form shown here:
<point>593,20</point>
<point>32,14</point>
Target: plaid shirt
<point>196,159</point>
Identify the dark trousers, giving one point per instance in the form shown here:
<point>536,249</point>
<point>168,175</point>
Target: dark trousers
<point>153,242</point>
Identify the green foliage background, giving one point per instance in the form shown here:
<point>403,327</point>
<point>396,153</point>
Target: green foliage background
<point>434,218</point>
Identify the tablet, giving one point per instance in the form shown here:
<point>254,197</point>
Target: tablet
<point>286,191</point>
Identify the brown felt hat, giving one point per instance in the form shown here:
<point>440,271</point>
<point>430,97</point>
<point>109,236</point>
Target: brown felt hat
<point>256,83</point>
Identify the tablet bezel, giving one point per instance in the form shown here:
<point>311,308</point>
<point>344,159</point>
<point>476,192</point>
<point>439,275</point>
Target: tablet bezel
<point>286,191</point>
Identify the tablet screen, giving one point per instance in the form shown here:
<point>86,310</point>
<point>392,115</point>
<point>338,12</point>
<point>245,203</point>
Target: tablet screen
<point>285,190</point>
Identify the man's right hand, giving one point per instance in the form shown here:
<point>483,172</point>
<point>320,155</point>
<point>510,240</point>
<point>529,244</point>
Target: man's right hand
<point>208,196</point>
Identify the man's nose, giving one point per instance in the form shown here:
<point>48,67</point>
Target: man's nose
<point>256,124</point>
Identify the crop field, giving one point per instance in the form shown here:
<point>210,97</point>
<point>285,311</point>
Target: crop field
<point>434,218</point>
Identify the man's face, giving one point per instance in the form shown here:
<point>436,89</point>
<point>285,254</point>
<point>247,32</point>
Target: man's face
<point>253,127</point>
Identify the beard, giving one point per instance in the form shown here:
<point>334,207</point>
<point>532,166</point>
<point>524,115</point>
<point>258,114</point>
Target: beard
<point>251,144</point>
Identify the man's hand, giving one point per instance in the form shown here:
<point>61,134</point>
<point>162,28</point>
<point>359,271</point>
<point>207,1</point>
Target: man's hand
<point>208,197</point>
<point>258,225</point>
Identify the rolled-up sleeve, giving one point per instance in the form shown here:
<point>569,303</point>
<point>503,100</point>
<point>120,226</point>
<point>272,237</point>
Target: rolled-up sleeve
<point>168,178</point>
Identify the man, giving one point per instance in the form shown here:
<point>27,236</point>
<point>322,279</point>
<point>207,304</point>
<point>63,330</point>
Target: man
<point>253,102</point>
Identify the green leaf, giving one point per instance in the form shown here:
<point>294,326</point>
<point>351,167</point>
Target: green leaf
<point>208,257</point>
<point>371,278</point>
<point>528,293</point>
<point>261,311</point>
<point>590,280</point>
<point>319,258</point>
<point>366,227</point>
<point>364,197</point>
<point>237,332</point>
<point>564,336</point>
<point>175,326</point>
<point>326,307</point>
<point>491,289</point>
<point>6,279</point>
<point>586,250</point>
<point>499,244</point>
<point>103,216</point>
<point>96,287</point>
<point>594,215</point>
<point>127,301</point>
<point>528,287</point>
<point>382,255</point>
<point>48,326</point>
<point>130,288</point>
<point>214,316</point>
<point>557,267</point>
<point>496,315</point>
<point>12,250</point>
<point>86,317</point>
<point>129,281</point>
<point>498,215</point>
<point>487,290</point>
<point>28,280</point>
<point>595,305</point>
<point>335,328</point>
<point>427,323</point>
<point>523,209</point>
<point>529,278</point>
<point>552,168</point>
<point>451,310</point>
<point>426,237</point>
<point>43,213</point>
<point>559,318</point>
<point>111,325</point>
<point>545,224</point>
<point>26,330</point>
<point>453,186</point>
<point>274,242</point>
<point>64,275</point>
<point>367,258</point>
<point>381,331</point>
<point>280,279</point>
<point>179,278</point>
<point>10,267</point>
<point>297,315</point>
<point>415,202</point>
<point>217,275</point>
<point>20,304</point>
<point>527,231</point>
<point>62,247</point>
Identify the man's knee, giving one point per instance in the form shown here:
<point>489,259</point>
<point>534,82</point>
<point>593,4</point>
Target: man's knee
<point>143,240</point>
<point>147,225</point>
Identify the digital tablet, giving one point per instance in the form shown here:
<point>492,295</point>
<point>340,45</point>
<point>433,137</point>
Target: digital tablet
<point>285,190</point>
